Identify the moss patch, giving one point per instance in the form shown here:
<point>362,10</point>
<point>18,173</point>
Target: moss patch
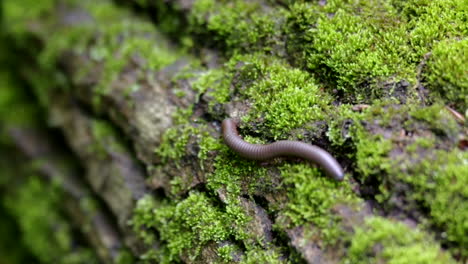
<point>428,154</point>
<point>19,15</point>
<point>236,25</point>
<point>282,98</point>
<point>117,38</point>
<point>385,241</point>
<point>187,225</point>
<point>447,72</point>
<point>311,198</point>
<point>354,44</point>
<point>439,184</point>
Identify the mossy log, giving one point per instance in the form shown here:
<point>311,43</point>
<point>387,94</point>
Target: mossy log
<point>118,106</point>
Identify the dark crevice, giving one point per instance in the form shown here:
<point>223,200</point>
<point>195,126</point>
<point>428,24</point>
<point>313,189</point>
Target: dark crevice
<point>9,230</point>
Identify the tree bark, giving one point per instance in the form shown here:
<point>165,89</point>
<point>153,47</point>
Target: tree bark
<point>128,127</point>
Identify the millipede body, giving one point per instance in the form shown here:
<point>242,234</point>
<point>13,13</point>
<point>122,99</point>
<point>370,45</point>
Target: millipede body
<point>281,148</point>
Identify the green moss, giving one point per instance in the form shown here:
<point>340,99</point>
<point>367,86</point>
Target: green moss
<point>116,55</point>
<point>175,145</point>
<point>200,9</point>
<point>122,38</point>
<point>421,143</point>
<point>383,241</point>
<point>429,22</point>
<point>237,25</point>
<point>436,175</point>
<point>236,175</point>
<point>351,47</point>
<point>111,39</point>
<point>186,226</point>
<point>365,42</point>
<point>312,196</point>
<point>372,154</point>
<point>174,142</point>
<point>231,176</point>
<point>342,121</point>
<point>208,145</point>
<point>446,72</point>
<point>438,120</point>
<point>439,183</point>
<point>262,256</point>
<point>216,83</point>
<point>252,255</point>
<point>45,231</point>
<point>282,98</point>
<point>18,15</point>
<point>226,252</point>
<point>182,116</point>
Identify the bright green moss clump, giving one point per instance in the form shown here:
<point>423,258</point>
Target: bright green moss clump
<point>447,72</point>
<point>385,241</point>
<point>355,45</point>
<point>186,226</point>
<point>237,175</point>
<point>292,99</point>
<point>282,98</point>
<point>237,25</point>
<point>351,47</point>
<point>174,142</point>
<point>312,196</point>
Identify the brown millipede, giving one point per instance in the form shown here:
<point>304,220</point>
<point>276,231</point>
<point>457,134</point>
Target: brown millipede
<point>280,148</point>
